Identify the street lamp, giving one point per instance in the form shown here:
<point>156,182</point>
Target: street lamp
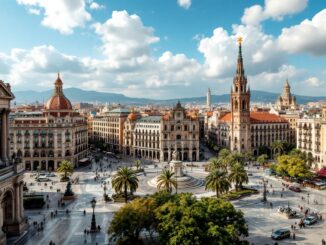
<point>93,224</point>
<point>264,192</point>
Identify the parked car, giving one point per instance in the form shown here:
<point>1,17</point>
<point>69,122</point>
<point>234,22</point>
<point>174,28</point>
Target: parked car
<point>281,234</point>
<point>310,220</point>
<point>294,188</point>
<point>50,175</point>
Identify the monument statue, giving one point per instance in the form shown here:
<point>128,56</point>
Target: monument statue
<point>175,155</point>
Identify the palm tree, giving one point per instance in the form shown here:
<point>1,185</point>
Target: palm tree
<point>262,159</point>
<point>66,168</point>
<point>137,164</point>
<point>277,145</point>
<point>216,163</point>
<point>238,175</point>
<point>224,153</point>
<point>165,181</point>
<point>125,179</point>
<point>217,181</point>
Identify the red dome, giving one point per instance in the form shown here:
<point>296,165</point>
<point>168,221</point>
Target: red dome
<point>58,102</point>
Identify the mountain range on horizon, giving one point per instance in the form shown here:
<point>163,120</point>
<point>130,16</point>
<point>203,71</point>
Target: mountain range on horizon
<point>76,95</point>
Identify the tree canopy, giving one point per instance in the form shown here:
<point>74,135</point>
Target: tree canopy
<point>179,219</point>
<point>293,166</point>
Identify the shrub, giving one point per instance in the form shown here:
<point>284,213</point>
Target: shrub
<point>33,201</point>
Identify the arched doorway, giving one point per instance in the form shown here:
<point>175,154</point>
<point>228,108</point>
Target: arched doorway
<point>51,165</point>
<point>43,165</point>
<point>7,205</point>
<point>194,156</point>
<point>28,165</point>
<point>35,165</point>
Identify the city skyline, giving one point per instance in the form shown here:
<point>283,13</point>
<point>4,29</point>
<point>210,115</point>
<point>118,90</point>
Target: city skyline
<point>162,50</point>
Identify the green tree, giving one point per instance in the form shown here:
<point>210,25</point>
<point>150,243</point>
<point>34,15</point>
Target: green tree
<point>277,146</point>
<point>138,164</point>
<point>262,159</point>
<point>216,163</point>
<point>131,219</point>
<point>125,179</point>
<point>217,181</point>
<point>292,166</point>
<point>178,219</point>
<point>165,181</point>
<point>185,220</point>
<point>66,168</point>
<point>224,153</point>
<point>310,159</point>
<point>238,175</point>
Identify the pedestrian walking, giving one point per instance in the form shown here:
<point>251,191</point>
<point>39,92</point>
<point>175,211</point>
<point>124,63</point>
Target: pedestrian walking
<point>293,236</point>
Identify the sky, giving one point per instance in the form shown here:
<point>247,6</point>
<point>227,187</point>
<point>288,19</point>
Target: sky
<point>163,48</point>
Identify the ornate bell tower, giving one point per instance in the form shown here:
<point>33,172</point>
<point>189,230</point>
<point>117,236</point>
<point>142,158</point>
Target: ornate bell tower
<point>240,109</point>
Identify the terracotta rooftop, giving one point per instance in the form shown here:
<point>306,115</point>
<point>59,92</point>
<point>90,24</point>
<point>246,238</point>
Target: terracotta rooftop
<point>257,117</point>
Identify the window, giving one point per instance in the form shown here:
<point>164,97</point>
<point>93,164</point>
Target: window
<point>178,137</point>
<point>172,127</point>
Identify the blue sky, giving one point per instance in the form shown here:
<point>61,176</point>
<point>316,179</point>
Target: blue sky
<point>163,48</point>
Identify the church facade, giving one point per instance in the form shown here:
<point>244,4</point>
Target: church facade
<point>286,101</point>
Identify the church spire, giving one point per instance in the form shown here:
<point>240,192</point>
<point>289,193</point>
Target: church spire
<point>58,85</point>
<point>240,69</point>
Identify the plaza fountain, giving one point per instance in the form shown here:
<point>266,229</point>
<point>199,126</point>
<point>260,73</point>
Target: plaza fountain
<point>184,181</point>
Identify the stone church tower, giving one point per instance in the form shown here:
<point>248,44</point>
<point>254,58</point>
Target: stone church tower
<point>240,109</point>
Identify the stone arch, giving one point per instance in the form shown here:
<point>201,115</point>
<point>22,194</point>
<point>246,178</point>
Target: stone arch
<point>8,209</point>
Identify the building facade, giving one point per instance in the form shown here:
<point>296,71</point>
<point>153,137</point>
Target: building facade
<point>12,218</point>
<point>43,139</point>
<point>181,132</point>
<point>309,138</point>
<point>108,128</point>
<point>156,137</point>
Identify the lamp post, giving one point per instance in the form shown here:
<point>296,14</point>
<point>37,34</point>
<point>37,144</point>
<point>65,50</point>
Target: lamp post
<point>93,224</point>
<point>264,191</point>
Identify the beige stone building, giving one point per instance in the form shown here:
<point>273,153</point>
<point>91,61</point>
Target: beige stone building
<point>181,132</point>
<point>108,128</point>
<point>43,139</point>
<point>156,137</point>
<point>309,138</point>
<point>12,219</point>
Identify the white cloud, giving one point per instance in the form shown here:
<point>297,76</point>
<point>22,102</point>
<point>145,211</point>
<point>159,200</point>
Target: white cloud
<point>126,41</point>
<point>273,9</point>
<point>313,82</point>
<point>259,51</point>
<point>184,3</point>
<point>60,15</point>
<point>96,6</point>
<point>307,37</point>
<point>34,11</point>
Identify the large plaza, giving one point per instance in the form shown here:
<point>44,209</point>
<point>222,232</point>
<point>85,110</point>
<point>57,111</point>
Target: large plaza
<point>69,228</point>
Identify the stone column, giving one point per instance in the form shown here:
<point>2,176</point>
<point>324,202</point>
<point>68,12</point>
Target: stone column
<point>2,234</point>
<point>17,203</point>
<point>21,186</point>
<point>4,137</point>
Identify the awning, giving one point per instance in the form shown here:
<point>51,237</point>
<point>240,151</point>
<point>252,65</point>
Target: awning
<point>322,172</point>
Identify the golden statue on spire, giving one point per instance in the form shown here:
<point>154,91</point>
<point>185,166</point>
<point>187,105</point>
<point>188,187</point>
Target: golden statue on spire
<point>239,39</point>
